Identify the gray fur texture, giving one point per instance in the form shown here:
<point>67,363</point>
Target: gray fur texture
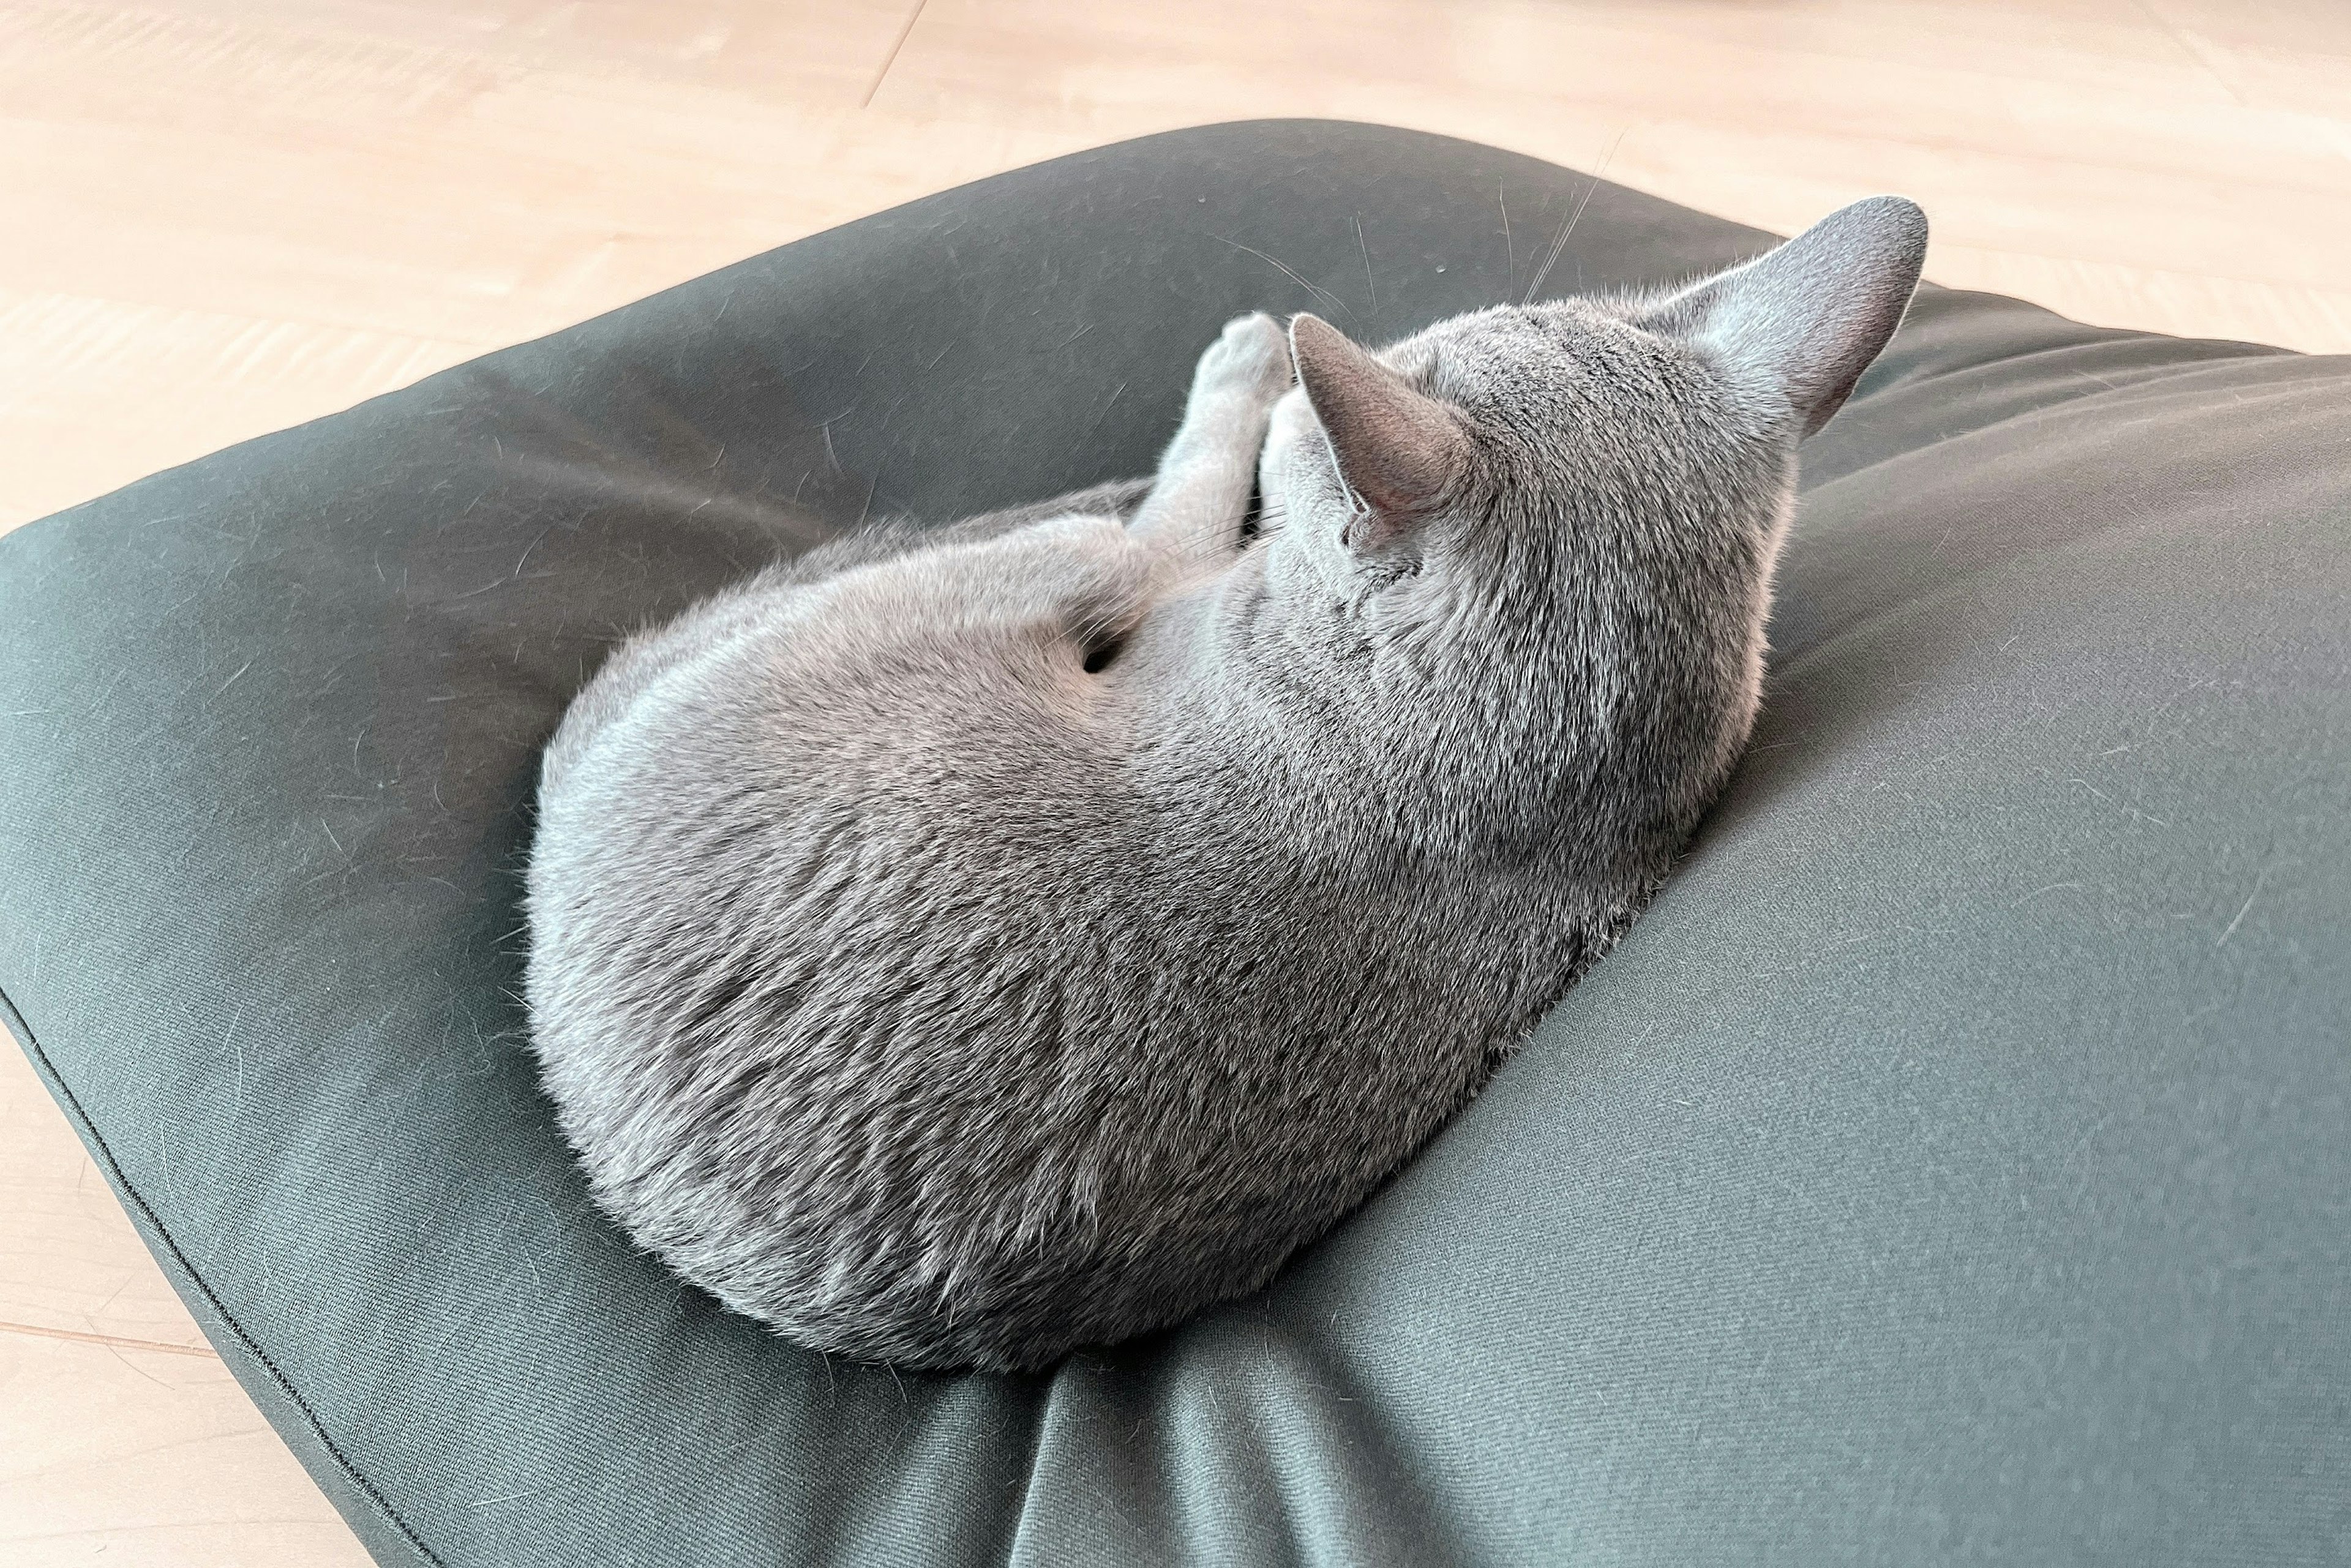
<point>962,945</point>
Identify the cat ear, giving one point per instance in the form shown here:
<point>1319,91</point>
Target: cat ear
<point>1397,447</point>
<point>1812,314</point>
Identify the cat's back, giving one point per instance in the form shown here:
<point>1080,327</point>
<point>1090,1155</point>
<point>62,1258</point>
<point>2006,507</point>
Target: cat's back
<point>880,981</point>
<point>828,873</point>
<point>796,761</point>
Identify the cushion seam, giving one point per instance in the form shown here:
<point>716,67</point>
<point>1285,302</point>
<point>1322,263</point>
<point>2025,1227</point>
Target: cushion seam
<point>122,1182</point>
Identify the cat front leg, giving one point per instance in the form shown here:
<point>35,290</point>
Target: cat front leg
<point>1191,517</point>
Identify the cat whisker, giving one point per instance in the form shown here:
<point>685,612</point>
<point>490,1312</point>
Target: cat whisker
<point>1560,245</point>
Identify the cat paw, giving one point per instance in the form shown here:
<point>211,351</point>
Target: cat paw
<point>1249,361</point>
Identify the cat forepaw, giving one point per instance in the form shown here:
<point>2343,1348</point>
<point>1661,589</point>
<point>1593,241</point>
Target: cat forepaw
<point>1251,359</point>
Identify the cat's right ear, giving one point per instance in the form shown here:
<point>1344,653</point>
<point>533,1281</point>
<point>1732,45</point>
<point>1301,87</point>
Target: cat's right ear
<point>1808,317</point>
<point>1398,450</point>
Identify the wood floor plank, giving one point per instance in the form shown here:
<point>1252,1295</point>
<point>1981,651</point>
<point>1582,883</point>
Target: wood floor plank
<point>144,1459</point>
<point>69,1259</point>
<point>72,363</point>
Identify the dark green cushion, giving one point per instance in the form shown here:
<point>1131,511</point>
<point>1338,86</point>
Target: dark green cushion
<point>1954,1165</point>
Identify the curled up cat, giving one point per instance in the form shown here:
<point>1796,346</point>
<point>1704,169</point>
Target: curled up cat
<point>956,947</point>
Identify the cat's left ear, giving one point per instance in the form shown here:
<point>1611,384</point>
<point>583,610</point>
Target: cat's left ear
<point>1811,316</point>
<point>1398,449</point>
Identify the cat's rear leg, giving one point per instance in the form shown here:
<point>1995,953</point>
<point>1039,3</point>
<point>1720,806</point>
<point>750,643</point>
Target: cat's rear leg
<point>1193,514</point>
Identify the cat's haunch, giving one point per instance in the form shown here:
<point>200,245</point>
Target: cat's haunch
<point>961,946</point>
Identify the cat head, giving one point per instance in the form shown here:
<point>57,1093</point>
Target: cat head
<point>1547,533</point>
<point>1483,434</point>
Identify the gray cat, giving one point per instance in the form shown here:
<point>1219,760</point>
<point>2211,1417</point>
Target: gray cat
<point>959,946</point>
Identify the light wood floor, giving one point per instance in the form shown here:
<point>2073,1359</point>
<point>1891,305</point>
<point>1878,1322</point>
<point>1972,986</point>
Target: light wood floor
<point>218,217</point>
